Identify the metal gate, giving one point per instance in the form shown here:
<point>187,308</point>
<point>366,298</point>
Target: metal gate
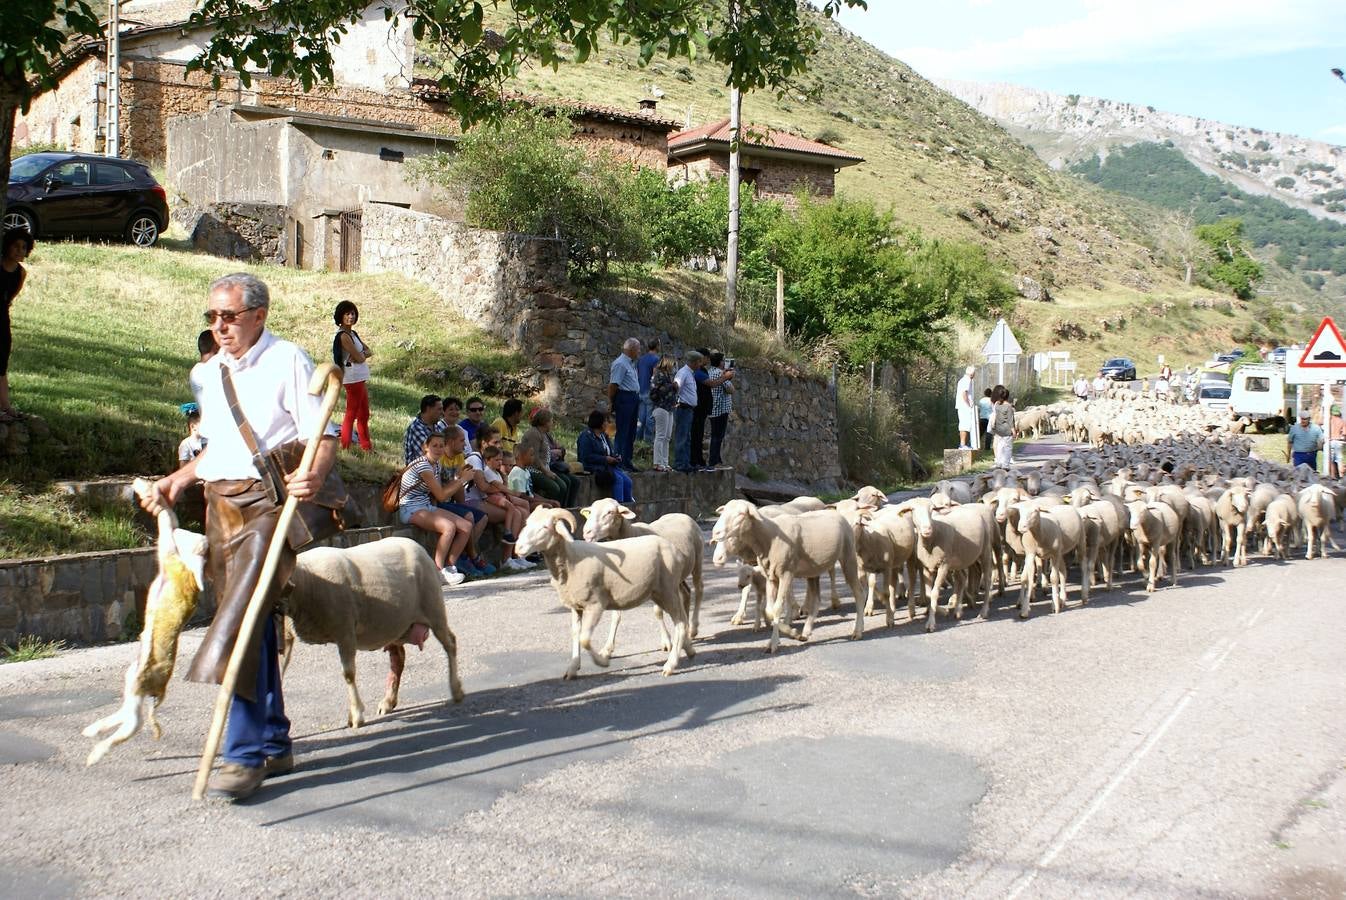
<point>350,225</point>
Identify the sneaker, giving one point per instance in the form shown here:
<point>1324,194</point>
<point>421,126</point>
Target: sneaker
<point>234,782</point>
<point>525,562</point>
<point>514,564</point>
<point>467,567</point>
<point>452,576</point>
<point>534,558</point>
<point>483,566</point>
<point>507,538</point>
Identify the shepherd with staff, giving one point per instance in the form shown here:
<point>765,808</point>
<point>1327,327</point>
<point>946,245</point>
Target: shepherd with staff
<point>259,419</point>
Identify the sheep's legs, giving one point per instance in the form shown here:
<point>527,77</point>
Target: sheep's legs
<point>397,661</point>
<point>852,575</point>
<point>1027,583</point>
<point>682,637</point>
<point>932,600</point>
<point>574,668</point>
<point>588,622</point>
<point>356,716</point>
<point>450,645</point>
<point>871,587</point>
<point>780,611</point>
<point>836,600</point>
<point>812,600</point>
<point>612,632</point>
<point>287,641</point>
<point>698,592</point>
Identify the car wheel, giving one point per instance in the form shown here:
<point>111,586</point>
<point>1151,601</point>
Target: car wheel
<point>142,230</point>
<point>20,218</point>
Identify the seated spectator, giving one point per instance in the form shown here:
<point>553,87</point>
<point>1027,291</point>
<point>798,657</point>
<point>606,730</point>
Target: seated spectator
<point>516,508</point>
<point>520,477</point>
<point>193,443</point>
<point>478,495</point>
<point>475,410</point>
<point>418,493</point>
<point>594,452</point>
<point>508,424</point>
<point>453,408</point>
<point>425,423</point>
<point>470,563</point>
<point>551,473</point>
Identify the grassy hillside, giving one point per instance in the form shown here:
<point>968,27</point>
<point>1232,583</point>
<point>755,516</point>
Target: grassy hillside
<point>943,167</point>
<point>105,336</point>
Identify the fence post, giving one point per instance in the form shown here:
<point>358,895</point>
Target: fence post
<point>780,304</point>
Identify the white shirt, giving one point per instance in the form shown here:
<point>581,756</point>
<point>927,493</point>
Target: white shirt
<point>686,381</point>
<point>355,372</point>
<point>472,493</point>
<point>963,395</point>
<point>272,382</point>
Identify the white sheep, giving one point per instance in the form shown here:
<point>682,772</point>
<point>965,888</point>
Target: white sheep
<point>1282,521</point>
<point>751,582</point>
<point>1155,527</point>
<point>380,595</point>
<point>885,545</point>
<point>608,520</point>
<point>590,578</point>
<point>789,547</point>
<point>1049,535</point>
<point>1317,509</point>
<point>950,543</point>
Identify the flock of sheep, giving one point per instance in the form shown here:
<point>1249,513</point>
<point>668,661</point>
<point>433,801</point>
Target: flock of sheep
<point>1160,488</point>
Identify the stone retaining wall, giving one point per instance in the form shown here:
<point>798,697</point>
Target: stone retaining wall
<point>514,287</point>
<point>88,598</point>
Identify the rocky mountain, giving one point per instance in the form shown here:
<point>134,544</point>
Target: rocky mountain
<point>1067,128</point>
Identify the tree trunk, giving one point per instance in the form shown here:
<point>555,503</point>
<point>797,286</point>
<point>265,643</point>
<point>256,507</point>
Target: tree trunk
<point>12,92</point>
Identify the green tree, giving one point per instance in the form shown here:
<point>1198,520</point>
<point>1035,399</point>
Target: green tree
<point>1233,265</point>
<point>882,294</point>
<point>763,45</point>
<point>522,174</point>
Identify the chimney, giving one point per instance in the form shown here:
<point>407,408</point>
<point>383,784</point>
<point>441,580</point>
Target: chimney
<point>648,104</point>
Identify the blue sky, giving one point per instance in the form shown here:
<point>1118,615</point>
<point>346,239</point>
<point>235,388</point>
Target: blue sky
<point>1260,63</point>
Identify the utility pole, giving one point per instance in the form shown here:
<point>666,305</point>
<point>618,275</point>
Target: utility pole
<point>780,304</point>
<point>112,143</point>
<point>731,267</point>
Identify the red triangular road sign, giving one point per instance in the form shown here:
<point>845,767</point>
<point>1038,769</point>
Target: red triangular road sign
<point>1327,350</point>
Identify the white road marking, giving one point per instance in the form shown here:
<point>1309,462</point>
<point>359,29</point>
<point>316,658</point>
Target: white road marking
<point>1101,797</point>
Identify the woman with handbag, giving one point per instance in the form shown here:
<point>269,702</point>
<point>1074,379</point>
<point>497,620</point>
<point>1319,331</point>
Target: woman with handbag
<point>352,354</point>
<point>419,490</point>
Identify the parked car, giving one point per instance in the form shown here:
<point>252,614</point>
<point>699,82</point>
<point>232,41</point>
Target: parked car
<point>85,195</point>
<point>1224,358</point>
<point>1119,369</point>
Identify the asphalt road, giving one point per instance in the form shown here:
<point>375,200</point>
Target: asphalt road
<point>1188,743</point>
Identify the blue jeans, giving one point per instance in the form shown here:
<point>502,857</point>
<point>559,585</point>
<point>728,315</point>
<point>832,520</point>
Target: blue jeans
<point>459,509</point>
<point>1307,457</point>
<point>682,438</point>
<point>625,408</point>
<point>621,486</point>
<point>258,729</point>
<point>645,420</point>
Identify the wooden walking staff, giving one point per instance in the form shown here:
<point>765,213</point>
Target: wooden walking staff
<point>325,374</point>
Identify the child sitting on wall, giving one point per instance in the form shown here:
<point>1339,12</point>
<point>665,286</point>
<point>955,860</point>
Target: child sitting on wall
<point>520,479</point>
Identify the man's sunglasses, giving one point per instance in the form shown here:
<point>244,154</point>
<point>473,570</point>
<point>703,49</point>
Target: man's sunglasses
<point>227,316</point>
<point>476,409</point>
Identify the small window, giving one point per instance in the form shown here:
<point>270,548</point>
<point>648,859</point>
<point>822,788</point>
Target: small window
<point>391,155</point>
<point>109,174</point>
<point>1257,385</point>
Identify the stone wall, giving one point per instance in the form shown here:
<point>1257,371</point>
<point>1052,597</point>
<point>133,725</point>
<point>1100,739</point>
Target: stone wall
<point>254,232</point>
<point>513,286</point>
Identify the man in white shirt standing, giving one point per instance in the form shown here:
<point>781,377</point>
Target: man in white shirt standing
<point>624,399</point>
<point>270,378</point>
<point>685,379</point>
<point>966,407</point>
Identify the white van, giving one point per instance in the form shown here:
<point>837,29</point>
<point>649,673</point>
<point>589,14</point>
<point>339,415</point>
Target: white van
<point>1258,391</point>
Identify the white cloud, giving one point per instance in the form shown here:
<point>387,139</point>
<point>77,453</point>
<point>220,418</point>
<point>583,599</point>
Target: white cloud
<point>1333,131</point>
<point>999,42</point>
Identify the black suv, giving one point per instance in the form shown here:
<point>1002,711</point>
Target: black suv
<point>1119,369</point>
<point>81,194</point>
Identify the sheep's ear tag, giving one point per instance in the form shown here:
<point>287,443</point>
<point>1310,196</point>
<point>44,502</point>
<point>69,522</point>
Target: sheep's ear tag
<point>585,512</point>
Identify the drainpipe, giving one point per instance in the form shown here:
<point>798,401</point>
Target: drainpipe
<point>113,143</point>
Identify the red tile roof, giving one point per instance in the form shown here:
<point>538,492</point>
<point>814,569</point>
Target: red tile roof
<point>718,132</point>
<point>428,89</point>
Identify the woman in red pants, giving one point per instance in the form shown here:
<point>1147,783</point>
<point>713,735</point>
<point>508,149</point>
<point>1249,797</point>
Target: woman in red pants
<point>352,355</point>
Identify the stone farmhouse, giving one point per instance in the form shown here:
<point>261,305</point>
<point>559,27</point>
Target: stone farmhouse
<point>776,163</point>
<point>313,158</point>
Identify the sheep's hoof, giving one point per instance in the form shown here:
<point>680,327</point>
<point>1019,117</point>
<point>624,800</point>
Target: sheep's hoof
<point>856,635</point>
<point>668,670</point>
<point>387,706</point>
<point>601,659</point>
<point>736,620</point>
<point>355,721</point>
<point>570,674</point>
<point>664,645</point>
<point>458,695</point>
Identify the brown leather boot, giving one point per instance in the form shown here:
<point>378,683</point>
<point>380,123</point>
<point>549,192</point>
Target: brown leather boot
<point>234,782</point>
